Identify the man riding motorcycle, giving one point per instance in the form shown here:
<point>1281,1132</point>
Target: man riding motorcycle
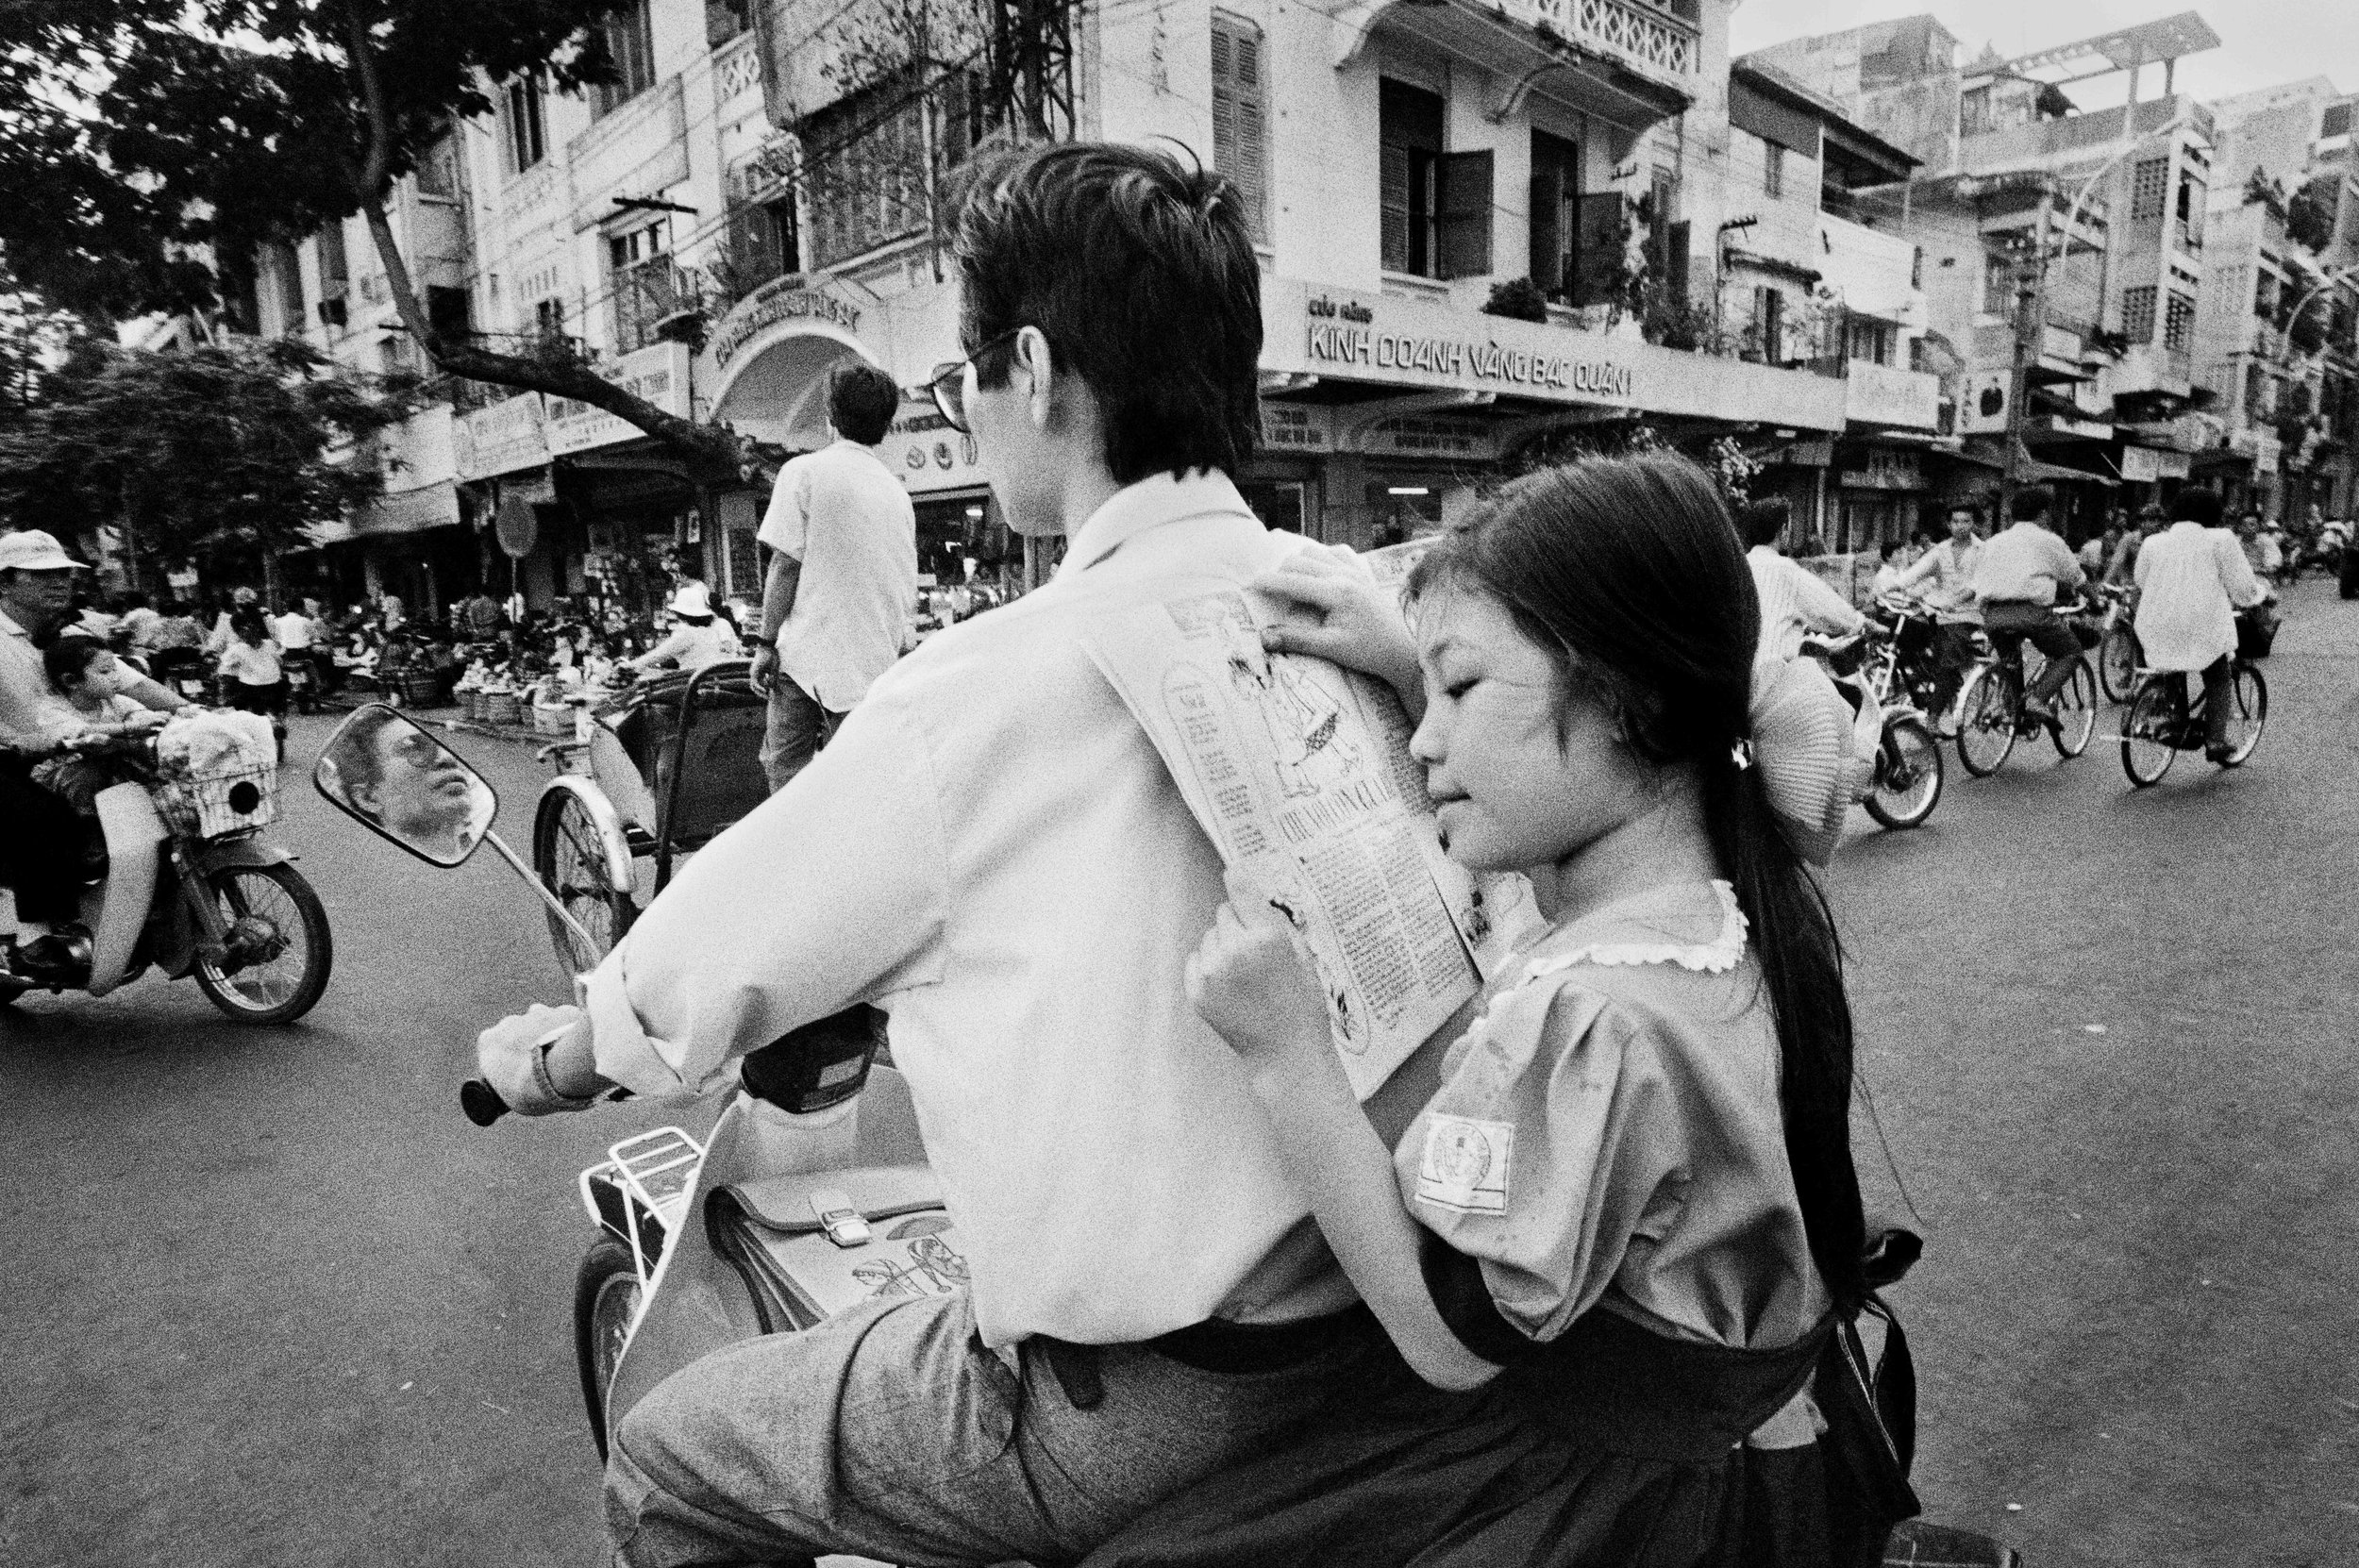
<point>991,851</point>
<point>45,847</point>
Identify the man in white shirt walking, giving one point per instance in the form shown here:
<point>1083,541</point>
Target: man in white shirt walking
<point>991,851</point>
<point>2017,581</point>
<point>2193,578</point>
<point>838,601</point>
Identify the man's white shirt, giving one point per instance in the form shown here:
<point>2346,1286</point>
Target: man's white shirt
<point>991,850</point>
<point>2191,582</point>
<point>841,514</point>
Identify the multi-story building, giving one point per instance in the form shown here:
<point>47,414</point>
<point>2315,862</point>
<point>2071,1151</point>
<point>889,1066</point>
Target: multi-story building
<point>2285,235</point>
<point>2064,249</point>
<point>1477,224</point>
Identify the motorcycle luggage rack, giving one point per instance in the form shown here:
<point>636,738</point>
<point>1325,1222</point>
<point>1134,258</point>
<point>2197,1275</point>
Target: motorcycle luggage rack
<point>639,1192</point>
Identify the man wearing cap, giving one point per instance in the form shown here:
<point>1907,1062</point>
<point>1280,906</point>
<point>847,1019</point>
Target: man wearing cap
<point>43,842</point>
<point>837,606</point>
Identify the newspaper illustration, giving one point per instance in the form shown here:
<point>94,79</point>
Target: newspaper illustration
<point>1300,774</point>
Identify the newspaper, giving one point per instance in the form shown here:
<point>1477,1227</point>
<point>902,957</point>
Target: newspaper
<point>1300,774</point>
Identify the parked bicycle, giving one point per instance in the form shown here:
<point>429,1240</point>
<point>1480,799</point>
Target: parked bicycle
<point>2163,721</point>
<point>2119,651</point>
<point>1991,711</point>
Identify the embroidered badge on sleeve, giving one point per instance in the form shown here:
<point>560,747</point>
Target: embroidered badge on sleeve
<point>1465,1164</point>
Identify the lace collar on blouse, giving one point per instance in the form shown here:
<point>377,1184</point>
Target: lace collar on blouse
<point>1716,957</point>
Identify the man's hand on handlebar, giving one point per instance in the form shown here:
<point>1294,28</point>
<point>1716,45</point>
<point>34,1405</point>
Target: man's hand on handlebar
<point>540,1060</point>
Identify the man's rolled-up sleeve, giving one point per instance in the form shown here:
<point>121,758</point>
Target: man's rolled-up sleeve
<point>833,893</point>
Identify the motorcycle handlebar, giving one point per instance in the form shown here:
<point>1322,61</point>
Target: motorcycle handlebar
<point>483,1105</point>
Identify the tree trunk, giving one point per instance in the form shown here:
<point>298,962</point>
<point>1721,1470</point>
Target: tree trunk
<point>707,448</point>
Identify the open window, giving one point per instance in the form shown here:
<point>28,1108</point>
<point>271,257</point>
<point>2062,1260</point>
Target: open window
<point>1435,205</point>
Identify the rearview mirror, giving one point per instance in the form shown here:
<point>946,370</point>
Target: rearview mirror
<point>385,772</point>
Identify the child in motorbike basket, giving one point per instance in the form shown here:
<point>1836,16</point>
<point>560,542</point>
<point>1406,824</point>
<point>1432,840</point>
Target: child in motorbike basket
<point>1613,1247</point>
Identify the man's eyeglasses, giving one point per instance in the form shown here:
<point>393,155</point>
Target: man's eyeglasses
<point>948,384</point>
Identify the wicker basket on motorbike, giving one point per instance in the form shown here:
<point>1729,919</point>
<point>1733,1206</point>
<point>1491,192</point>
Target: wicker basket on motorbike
<point>216,774</point>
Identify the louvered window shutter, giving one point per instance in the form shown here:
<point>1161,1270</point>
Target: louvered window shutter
<point>1465,212</point>
<point>1396,207</point>
<point>1240,118</point>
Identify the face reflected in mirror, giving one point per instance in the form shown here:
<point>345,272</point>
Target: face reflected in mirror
<point>386,771</point>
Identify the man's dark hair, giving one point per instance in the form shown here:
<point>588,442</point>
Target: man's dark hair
<point>68,657</point>
<point>862,401</point>
<point>1973,513</point>
<point>1140,273</point>
<point>1763,521</point>
<point>1889,548</point>
<point>2198,505</point>
<point>2031,503</point>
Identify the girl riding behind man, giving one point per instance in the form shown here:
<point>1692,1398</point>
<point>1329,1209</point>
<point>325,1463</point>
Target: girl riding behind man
<point>1613,1245</point>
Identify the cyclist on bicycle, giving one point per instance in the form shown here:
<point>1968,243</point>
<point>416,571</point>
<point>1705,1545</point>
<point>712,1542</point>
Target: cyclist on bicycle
<point>2192,579</point>
<point>1945,577</point>
<point>2017,581</point>
<point>1794,601</point>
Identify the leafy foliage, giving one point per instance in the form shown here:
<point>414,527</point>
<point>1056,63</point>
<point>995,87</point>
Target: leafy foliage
<point>140,139</point>
<point>1518,299</point>
<point>218,452</point>
<point>2310,214</point>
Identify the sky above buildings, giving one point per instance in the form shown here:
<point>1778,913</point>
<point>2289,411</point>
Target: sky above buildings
<point>2262,42</point>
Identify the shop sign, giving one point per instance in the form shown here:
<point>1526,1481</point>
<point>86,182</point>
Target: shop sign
<point>1888,468</point>
<point>1982,401</point>
<point>2144,465</point>
<point>501,439</point>
<point>780,299</point>
<point>1885,394</point>
<point>1312,330</point>
<point>1457,358</point>
<point>1290,427</point>
<point>927,452</point>
<point>1801,454</point>
<point>658,373</point>
<point>1287,427</point>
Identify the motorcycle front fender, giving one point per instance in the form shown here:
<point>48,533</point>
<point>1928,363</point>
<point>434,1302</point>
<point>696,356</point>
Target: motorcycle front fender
<point>117,909</point>
<point>697,1302</point>
<point>695,1305</point>
<point>178,933</point>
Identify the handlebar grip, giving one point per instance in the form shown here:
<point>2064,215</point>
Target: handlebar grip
<point>481,1101</point>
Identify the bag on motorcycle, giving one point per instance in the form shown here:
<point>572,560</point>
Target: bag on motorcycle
<point>800,1275</point>
<point>1868,1402</point>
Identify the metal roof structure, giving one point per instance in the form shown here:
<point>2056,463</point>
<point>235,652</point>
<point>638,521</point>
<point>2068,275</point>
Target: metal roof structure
<point>2126,49</point>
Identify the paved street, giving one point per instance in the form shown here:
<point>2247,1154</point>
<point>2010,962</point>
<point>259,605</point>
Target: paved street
<point>272,1301</point>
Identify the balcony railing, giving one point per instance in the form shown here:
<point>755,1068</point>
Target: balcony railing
<point>1643,34</point>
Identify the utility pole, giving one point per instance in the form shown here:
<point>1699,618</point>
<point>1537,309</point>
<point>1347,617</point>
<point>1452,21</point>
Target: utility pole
<point>2031,324</point>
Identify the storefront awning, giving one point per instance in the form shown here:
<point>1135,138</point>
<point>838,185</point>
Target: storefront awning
<point>409,511</point>
<point>1990,452</point>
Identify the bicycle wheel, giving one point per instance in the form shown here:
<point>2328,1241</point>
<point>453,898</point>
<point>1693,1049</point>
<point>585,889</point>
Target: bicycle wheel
<point>2076,711</point>
<point>569,856</point>
<point>2117,661</point>
<point>2150,730</point>
<point>1986,721</point>
<point>2248,714</point>
<point>1908,774</point>
<point>279,948</point>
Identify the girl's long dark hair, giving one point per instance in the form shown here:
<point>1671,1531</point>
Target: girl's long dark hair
<point>1628,568</point>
